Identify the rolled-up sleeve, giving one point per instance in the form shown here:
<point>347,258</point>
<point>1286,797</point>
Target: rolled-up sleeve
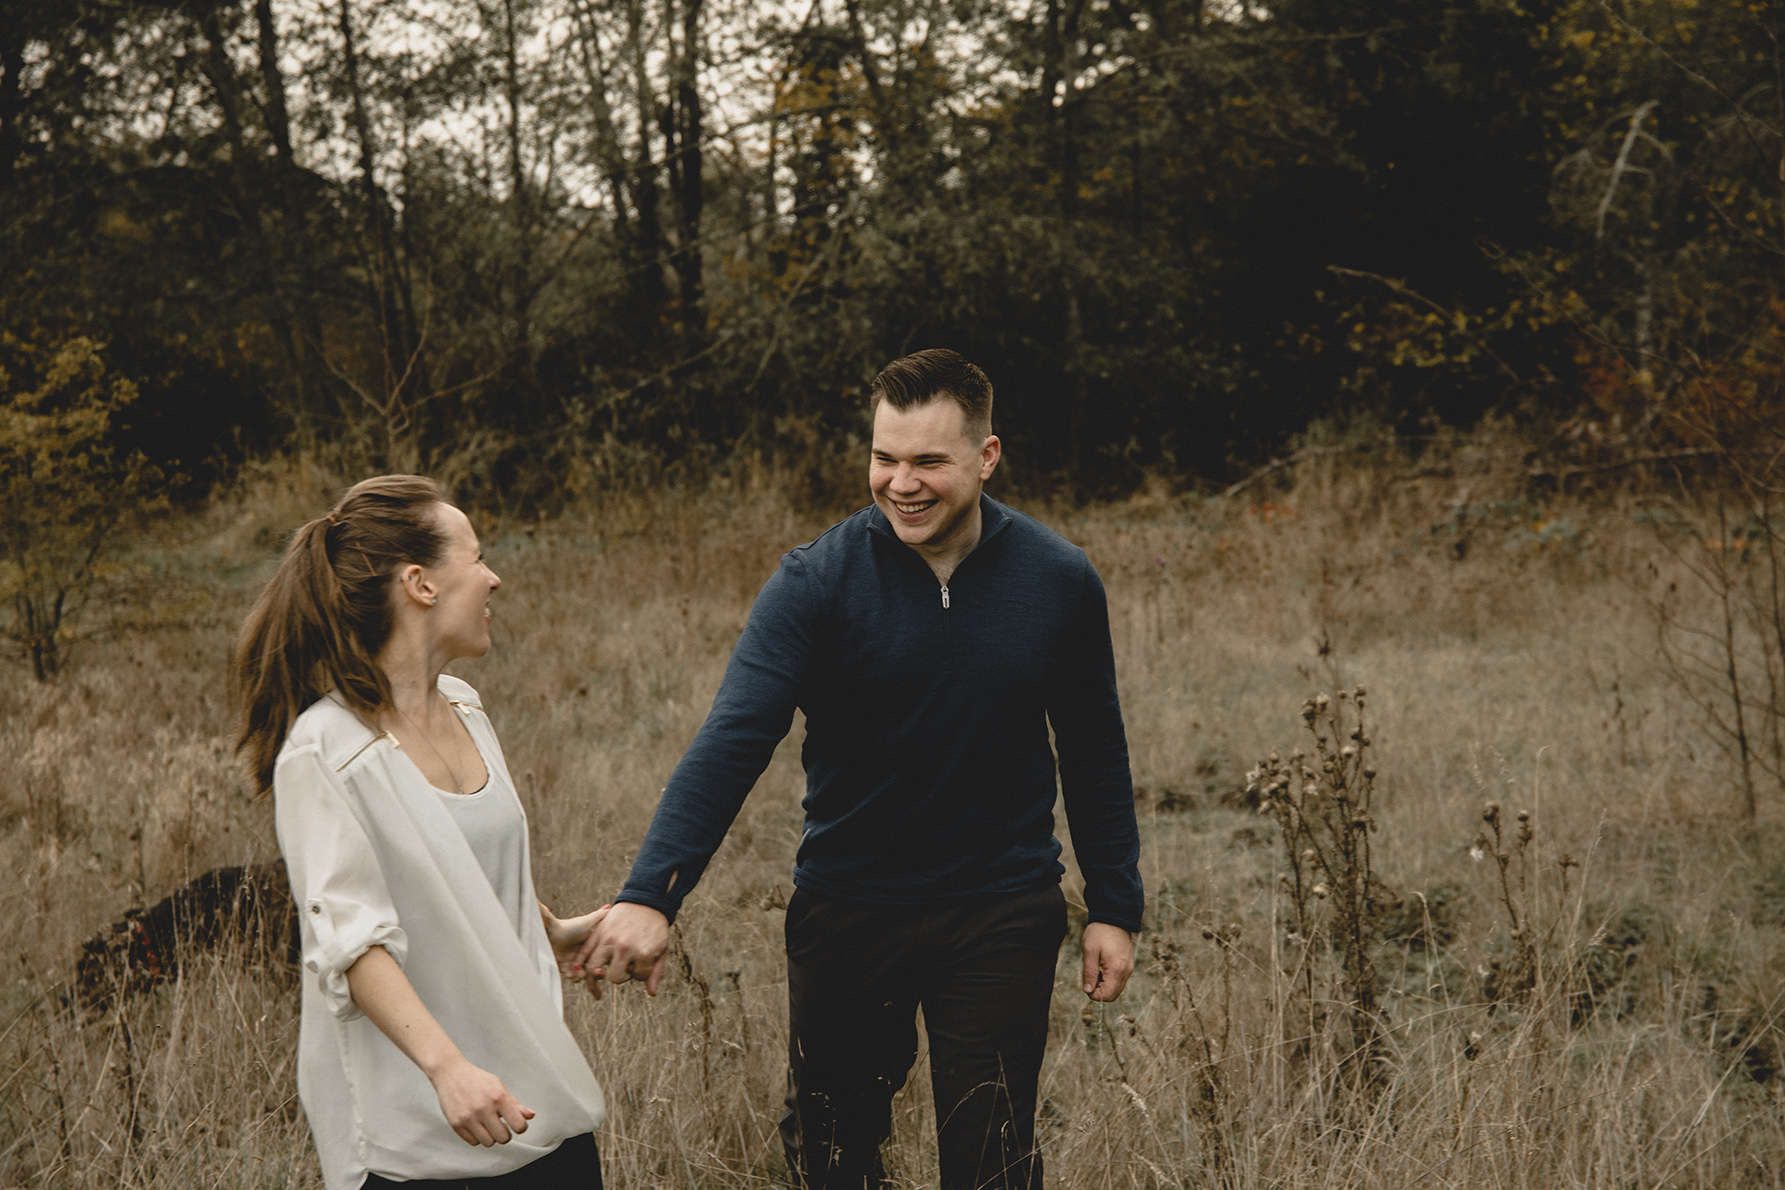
<point>336,880</point>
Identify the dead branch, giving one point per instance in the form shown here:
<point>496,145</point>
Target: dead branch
<point>1456,323</point>
<point>1622,165</point>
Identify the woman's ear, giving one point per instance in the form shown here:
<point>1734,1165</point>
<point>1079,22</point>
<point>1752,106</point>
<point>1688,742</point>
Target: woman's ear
<point>412,581</point>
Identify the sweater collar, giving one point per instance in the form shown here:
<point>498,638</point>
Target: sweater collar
<point>994,518</point>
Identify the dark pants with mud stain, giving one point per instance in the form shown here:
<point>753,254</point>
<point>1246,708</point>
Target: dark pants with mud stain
<point>983,972</point>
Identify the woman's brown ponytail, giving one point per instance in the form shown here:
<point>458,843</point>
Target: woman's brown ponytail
<point>327,612</point>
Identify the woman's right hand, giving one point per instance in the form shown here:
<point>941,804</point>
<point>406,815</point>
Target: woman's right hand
<point>474,1101</point>
<point>478,1106</point>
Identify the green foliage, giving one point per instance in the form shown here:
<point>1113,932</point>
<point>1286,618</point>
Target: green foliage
<point>66,489</point>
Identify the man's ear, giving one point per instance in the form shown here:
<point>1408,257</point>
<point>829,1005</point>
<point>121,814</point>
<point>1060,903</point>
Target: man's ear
<point>989,454</point>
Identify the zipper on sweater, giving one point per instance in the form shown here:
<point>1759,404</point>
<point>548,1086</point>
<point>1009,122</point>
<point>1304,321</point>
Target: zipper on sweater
<point>947,632</point>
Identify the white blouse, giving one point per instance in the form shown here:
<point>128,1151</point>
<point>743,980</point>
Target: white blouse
<point>377,859</point>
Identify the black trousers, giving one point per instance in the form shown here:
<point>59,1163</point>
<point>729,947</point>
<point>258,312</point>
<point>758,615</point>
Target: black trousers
<point>573,1165</point>
<point>983,972</point>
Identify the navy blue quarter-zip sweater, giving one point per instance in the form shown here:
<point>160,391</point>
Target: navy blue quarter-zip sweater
<point>928,770</point>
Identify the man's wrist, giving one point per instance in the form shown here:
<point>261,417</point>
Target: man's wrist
<point>645,901</point>
<point>1131,931</point>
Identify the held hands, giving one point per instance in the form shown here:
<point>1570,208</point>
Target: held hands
<point>477,1105</point>
<point>567,935</point>
<point>628,943</point>
<point>1109,960</point>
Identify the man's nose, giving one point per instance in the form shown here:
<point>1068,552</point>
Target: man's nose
<point>905,478</point>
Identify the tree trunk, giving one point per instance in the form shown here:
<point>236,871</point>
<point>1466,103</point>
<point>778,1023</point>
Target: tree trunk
<point>251,202</point>
<point>278,117</point>
<point>520,287</point>
<point>12,98</point>
<point>649,296</point>
<point>608,151</point>
<point>688,128</point>
<point>394,316</point>
<point>886,130</point>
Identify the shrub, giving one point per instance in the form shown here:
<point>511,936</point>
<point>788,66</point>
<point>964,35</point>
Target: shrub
<point>67,490</point>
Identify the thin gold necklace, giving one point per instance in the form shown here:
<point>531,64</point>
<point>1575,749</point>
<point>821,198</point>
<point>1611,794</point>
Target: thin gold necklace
<point>458,783</point>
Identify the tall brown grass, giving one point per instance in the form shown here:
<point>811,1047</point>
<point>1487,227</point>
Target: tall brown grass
<point>1585,996</point>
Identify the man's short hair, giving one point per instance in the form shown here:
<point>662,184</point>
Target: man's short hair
<point>923,376</point>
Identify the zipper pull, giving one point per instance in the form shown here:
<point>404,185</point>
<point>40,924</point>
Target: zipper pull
<point>944,596</point>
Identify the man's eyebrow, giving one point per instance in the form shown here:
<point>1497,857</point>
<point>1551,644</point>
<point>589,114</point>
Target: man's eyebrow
<point>926,457</point>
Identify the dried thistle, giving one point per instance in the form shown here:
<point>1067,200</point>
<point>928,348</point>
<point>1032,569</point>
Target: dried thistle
<point>1322,802</point>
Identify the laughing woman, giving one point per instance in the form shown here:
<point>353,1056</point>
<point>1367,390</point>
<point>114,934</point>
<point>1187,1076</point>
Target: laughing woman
<point>432,1048</point>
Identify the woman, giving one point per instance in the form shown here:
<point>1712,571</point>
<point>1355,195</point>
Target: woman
<point>432,1046</point>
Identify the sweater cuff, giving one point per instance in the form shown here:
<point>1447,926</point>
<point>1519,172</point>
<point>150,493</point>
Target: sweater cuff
<point>1116,898</point>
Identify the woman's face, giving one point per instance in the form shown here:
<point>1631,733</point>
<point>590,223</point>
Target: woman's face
<point>460,616</point>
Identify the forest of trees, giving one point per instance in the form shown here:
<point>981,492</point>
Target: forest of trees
<point>571,240</point>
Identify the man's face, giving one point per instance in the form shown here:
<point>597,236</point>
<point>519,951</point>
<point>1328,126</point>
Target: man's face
<point>926,472</point>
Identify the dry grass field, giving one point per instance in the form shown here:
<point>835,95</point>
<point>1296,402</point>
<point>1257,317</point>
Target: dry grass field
<point>1624,1037</point>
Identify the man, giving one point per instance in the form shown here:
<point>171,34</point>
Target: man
<point>931,640</point>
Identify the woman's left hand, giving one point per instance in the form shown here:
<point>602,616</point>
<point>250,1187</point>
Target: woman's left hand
<point>566,934</point>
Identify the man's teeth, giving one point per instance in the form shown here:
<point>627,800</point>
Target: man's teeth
<point>912,509</point>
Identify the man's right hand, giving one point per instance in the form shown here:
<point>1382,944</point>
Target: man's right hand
<point>628,944</point>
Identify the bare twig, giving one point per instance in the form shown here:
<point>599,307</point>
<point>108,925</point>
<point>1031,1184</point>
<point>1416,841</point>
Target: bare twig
<point>1455,321</point>
<point>1622,165</point>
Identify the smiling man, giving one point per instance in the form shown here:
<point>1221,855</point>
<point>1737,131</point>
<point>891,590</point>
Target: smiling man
<point>931,640</point>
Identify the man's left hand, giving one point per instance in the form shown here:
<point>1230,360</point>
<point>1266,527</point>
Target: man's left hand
<point>1109,960</point>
